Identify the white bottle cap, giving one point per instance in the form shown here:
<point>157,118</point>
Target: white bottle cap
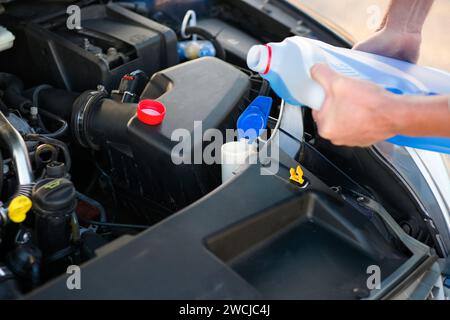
<point>258,58</point>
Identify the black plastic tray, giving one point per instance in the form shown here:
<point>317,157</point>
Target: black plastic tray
<point>306,248</point>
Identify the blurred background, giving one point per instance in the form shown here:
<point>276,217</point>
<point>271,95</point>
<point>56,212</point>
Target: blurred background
<point>360,17</point>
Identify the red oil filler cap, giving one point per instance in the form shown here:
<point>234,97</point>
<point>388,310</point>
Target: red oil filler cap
<point>151,112</point>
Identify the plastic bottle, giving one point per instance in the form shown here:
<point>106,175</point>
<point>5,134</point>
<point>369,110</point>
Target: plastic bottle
<point>286,65</point>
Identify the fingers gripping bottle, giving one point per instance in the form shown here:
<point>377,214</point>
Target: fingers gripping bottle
<point>287,64</point>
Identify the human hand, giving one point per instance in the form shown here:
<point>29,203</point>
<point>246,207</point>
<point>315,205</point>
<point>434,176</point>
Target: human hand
<point>355,112</point>
<point>393,43</point>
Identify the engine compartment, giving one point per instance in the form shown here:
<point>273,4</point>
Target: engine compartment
<point>96,175</point>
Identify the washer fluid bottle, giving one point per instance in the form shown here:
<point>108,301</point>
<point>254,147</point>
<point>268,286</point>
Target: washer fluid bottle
<point>287,64</point>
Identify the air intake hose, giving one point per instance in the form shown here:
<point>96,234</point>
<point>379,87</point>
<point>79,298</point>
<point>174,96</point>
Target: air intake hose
<point>96,119</point>
<point>13,87</point>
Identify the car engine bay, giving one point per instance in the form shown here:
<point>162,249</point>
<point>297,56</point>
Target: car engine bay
<point>97,179</point>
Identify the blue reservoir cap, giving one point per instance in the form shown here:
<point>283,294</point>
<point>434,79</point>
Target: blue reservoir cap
<point>254,119</point>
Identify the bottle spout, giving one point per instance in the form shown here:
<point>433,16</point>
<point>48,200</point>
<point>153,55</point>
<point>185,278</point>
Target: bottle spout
<point>258,58</point>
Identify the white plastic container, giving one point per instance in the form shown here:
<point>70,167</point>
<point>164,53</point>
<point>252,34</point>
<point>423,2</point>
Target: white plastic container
<point>286,66</point>
<point>236,156</point>
<point>6,39</point>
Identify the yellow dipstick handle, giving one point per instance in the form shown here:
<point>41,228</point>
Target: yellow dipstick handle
<point>18,208</point>
<point>297,175</point>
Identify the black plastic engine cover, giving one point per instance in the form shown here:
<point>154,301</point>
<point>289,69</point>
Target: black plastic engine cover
<point>139,155</point>
<point>256,237</point>
<point>112,41</point>
<point>207,90</point>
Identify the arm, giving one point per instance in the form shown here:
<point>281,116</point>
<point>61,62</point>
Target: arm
<point>422,116</point>
<point>400,33</point>
<point>407,16</point>
<point>359,113</point>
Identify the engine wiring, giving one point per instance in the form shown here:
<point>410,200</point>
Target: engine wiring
<point>52,141</point>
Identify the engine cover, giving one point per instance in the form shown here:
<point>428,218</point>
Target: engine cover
<point>140,155</point>
<point>111,42</point>
<point>191,96</point>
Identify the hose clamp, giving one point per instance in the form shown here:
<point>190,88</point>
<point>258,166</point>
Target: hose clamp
<point>83,107</point>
